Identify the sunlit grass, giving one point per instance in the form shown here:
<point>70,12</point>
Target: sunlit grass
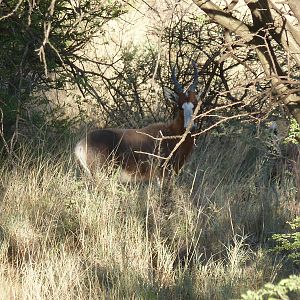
<point>65,236</point>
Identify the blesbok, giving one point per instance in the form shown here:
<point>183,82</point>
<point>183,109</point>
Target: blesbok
<point>135,150</point>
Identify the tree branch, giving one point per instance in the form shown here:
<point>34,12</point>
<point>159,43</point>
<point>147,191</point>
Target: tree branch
<point>262,44</point>
<point>225,19</point>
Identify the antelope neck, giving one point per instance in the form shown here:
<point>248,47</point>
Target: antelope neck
<point>177,126</point>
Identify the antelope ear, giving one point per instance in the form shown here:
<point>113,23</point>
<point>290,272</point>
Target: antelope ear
<point>170,95</point>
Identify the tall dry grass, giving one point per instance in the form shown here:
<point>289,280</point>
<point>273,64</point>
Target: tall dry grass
<point>64,236</point>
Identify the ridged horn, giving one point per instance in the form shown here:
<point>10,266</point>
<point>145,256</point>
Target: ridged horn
<point>178,86</point>
<point>193,86</point>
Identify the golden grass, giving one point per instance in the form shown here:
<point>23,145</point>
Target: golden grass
<point>65,237</point>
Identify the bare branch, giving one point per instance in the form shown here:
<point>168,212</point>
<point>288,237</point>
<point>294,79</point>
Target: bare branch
<point>225,19</point>
<point>12,12</point>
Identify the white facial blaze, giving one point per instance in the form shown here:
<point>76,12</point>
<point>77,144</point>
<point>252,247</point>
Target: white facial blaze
<point>187,112</point>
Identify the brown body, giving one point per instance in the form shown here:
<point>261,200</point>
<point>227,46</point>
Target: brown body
<point>140,153</point>
<point>132,149</point>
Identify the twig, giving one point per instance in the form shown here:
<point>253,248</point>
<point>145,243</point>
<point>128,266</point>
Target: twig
<point>13,11</point>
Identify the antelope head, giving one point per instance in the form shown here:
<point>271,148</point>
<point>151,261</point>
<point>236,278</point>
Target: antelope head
<point>184,100</point>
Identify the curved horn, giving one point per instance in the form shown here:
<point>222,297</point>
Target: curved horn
<point>193,86</point>
<point>178,86</point>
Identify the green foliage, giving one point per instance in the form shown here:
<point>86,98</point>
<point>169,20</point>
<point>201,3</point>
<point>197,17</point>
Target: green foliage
<point>276,291</point>
<point>37,40</point>
<point>289,242</point>
<point>294,132</point>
